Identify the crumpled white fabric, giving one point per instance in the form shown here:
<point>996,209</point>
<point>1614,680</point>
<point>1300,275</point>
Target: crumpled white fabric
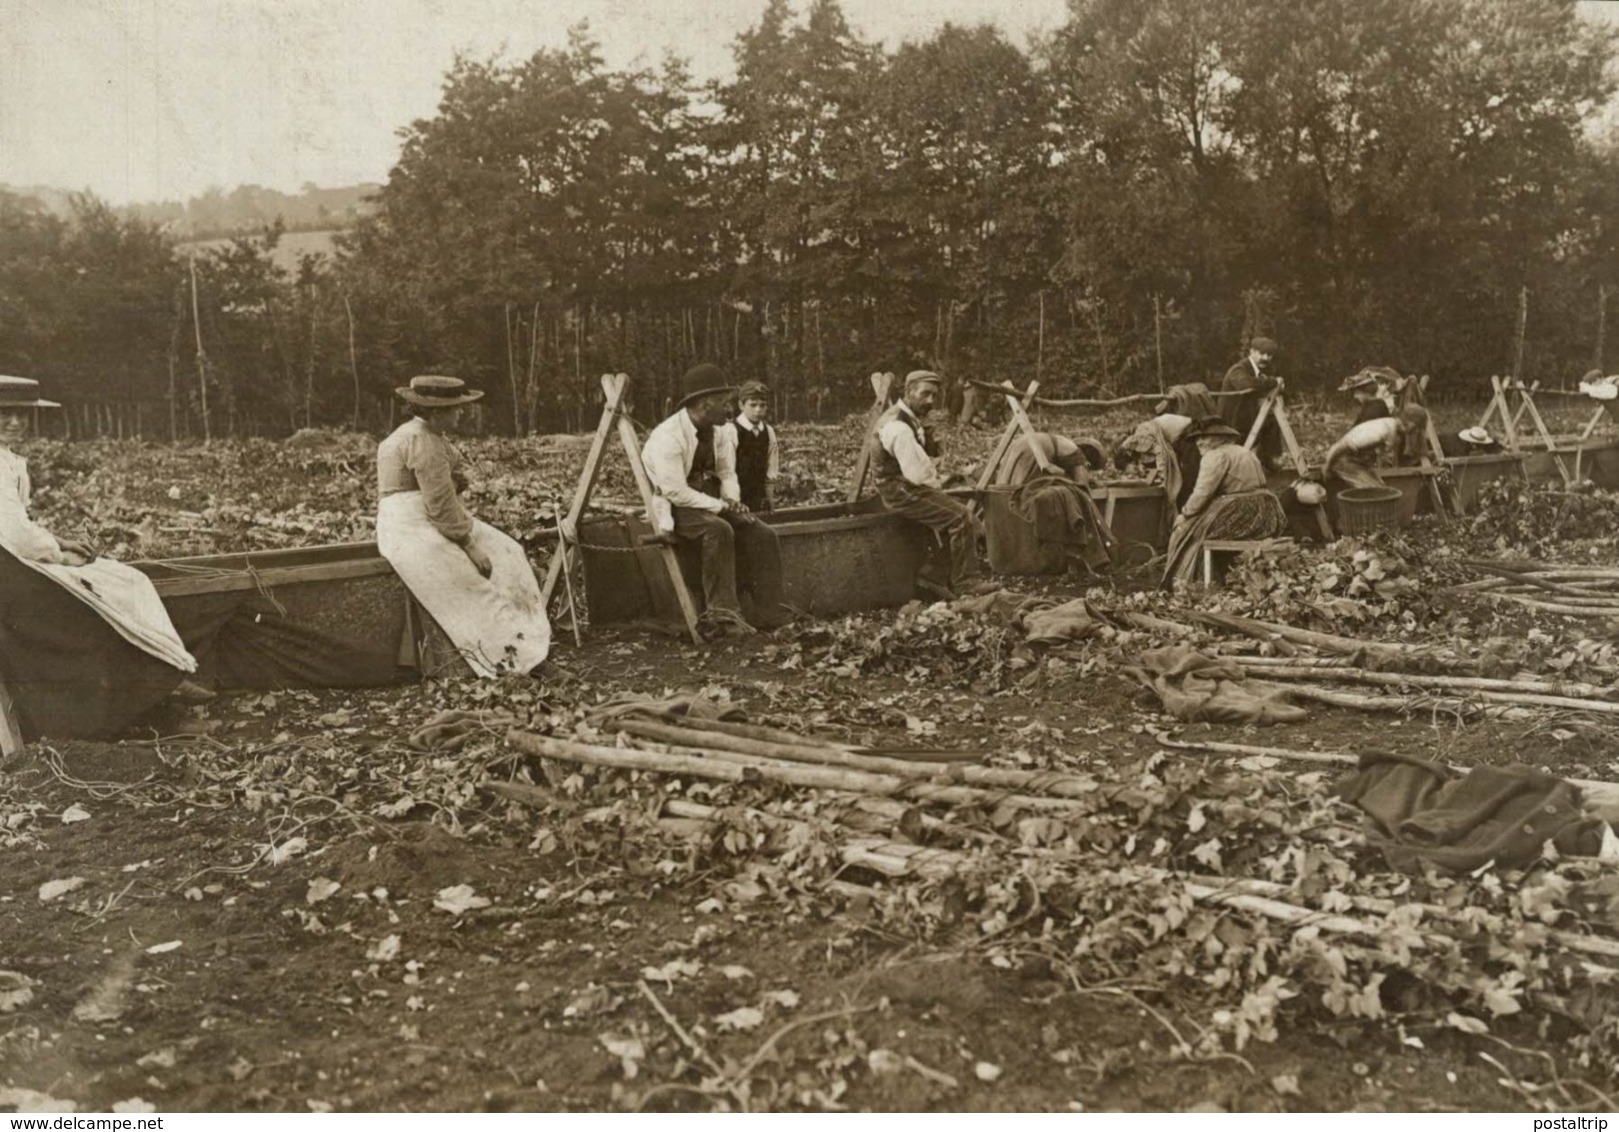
<point>1603,389</point>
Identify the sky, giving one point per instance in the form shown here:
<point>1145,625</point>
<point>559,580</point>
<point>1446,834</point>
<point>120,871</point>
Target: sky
<point>140,100</point>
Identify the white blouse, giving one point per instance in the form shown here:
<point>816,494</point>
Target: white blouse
<point>18,533</point>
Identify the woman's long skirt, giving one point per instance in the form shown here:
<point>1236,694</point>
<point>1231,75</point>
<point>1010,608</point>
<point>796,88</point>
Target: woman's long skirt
<point>72,670</point>
<point>498,623</point>
<point>1246,515</point>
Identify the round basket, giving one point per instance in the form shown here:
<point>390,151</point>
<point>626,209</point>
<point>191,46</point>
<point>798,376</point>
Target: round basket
<point>1365,509</point>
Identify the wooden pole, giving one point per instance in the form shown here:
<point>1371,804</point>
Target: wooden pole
<point>1040,341</point>
<point>1602,324</point>
<point>1523,325</point>
<point>354,364</point>
<point>202,357</point>
<point>1158,337</point>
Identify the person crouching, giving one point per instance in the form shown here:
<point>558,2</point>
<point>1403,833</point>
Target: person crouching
<point>909,483</point>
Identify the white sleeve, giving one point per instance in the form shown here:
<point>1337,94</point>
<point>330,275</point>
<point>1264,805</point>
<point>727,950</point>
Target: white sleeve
<point>914,464</point>
<point>666,468</point>
<point>18,533</point>
<point>725,462</point>
<point>1369,434</point>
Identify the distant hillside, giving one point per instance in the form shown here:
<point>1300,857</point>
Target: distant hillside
<point>289,250</point>
<point>244,209</point>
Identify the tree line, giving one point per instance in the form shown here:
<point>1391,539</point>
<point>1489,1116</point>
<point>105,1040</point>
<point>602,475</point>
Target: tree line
<point>1117,205</point>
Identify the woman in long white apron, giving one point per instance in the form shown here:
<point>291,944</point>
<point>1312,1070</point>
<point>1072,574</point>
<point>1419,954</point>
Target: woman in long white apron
<point>473,580</point>
<point>86,645</point>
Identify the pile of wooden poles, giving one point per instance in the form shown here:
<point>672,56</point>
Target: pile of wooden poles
<point>1405,677</point>
<point>893,795</point>
<point>1550,587</point>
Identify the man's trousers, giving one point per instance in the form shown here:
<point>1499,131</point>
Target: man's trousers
<point>724,541</point>
<point>942,513</point>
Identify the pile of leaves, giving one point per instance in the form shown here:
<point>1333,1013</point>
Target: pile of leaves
<point>1350,586</point>
<point>1545,521</point>
<point>920,642</point>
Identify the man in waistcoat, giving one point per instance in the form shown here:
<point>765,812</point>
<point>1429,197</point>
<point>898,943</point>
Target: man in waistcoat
<point>754,454</point>
<point>686,467</point>
<point>909,483</point>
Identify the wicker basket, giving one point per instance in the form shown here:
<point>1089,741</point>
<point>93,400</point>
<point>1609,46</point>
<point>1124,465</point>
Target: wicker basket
<point>1365,509</point>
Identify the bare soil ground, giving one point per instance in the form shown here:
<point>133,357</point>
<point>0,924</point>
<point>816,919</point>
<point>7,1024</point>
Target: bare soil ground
<point>271,1002</point>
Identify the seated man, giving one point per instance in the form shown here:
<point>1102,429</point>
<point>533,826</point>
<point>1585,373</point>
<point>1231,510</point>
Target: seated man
<point>1354,459</point>
<point>681,460</point>
<point>1475,441</point>
<point>750,446</point>
<point>908,482</point>
<point>1053,496</point>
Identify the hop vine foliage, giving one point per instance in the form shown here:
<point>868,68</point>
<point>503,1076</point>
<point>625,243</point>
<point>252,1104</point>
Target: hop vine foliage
<point>1349,585</point>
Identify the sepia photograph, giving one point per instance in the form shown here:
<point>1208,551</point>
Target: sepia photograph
<point>806,556</point>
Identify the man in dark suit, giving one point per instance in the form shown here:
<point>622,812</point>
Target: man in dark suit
<point>1249,378</point>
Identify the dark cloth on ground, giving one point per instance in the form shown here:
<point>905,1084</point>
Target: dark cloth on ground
<point>71,676</point>
<point>1240,412</point>
<point>1063,514</point>
<point>1422,812</point>
<point>733,547</point>
<point>949,518</point>
<point>1043,622</point>
<point>1192,399</point>
<point>1195,688</point>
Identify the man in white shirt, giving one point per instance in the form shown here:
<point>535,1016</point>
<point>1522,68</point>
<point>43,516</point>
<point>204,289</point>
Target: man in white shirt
<point>682,452</point>
<point>908,482</point>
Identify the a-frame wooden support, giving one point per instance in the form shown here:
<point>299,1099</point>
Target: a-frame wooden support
<point>1274,406</point>
<point>881,385</point>
<point>1501,406</point>
<point>613,419</point>
<point>1017,423</point>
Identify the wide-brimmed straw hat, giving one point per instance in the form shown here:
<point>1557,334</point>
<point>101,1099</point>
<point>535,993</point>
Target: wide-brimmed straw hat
<point>23,393</point>
<point>1354,381</point>
<point>1475,435</point>
<point>435,391</point>
<point>700,381</point>
<point>1210,426</point>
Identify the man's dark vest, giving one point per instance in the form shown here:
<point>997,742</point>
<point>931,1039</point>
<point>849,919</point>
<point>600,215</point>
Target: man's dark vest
<point>702,476</point>
<point>887,467</point>
<point>752,464</point>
